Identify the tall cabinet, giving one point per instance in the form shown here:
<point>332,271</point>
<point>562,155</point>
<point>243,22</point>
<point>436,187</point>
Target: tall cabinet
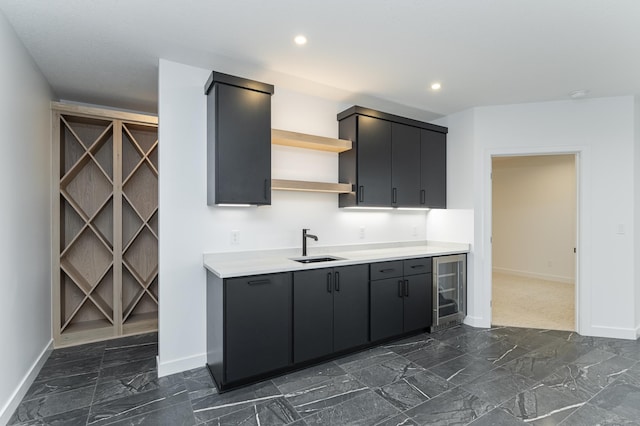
<point>105,224</point>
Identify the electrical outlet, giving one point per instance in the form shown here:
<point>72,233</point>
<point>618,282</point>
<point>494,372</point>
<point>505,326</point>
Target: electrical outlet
<point>414,231</point>
<point>235,237</point>
<point>361,234</point>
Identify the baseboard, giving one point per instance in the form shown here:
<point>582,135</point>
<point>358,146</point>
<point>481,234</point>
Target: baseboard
<point>7,411</point>
<point>528,274</point>
<point>178,365</point>
<point>477,322</point>
<point>612,332</point>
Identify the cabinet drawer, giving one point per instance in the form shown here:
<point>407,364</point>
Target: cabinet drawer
<point>417,266</point>
<point>383,270</point>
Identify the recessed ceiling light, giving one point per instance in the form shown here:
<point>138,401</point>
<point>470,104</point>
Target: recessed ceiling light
<point>436,86</point>
<point>300,40</point>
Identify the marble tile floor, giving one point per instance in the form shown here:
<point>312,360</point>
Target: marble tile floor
<point>498,376</point>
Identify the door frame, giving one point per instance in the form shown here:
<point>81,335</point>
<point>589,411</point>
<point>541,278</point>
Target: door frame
<point>582,282</point>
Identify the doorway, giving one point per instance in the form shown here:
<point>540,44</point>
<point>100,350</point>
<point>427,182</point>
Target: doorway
<point>534,222</point>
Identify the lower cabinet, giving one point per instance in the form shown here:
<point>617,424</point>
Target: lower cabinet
<point>386,308</point>
<point>400,297</point>
<point>258,324</point>
<point>330,311</point>
<point>248,326</point>
<point>418,294</point>
<point>262,325</point>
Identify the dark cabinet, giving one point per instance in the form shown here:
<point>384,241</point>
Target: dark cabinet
<point>263,325</point>
<point>433,170</point>
<point>386,308</point>
<point>351,307</point>
<point>368,164</point>
<point>389,166</point>
<point>405,166</point>
<point>248,326</point>
<point>238,140</point>
<point>257,325</point>
<point>330,311</point>
<point>400,297</point>
<point>417,297</point>
<point>312,314</point>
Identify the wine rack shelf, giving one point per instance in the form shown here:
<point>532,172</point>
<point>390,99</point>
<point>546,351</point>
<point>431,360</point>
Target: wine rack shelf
<point>105,224</point>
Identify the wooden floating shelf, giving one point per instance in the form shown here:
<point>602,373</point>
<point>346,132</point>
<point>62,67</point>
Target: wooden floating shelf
<point>299,185</point>
<point>302,140</point>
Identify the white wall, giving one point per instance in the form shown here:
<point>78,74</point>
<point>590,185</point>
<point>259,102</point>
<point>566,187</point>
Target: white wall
<point>601,131</point>
<point>534,216</point>
<point>25,250</point>
<point>189,228</point>
<point>460,158</point>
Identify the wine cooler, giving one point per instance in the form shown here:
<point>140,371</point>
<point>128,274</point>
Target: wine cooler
<point>449,290</point>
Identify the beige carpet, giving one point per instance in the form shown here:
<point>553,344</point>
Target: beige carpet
<point>532,303</point>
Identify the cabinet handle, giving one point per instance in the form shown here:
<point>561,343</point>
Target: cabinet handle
<point>266,188</point>
<point>329,282</point>
<point>406,288</point>
<point>337,282</point>
<point>361,194</point>
<point>400,282</point>
<point>417,266</point>
<point>422,196</point>
<point>386,271</point>
<point>259,282</point>
<point>395,195</point>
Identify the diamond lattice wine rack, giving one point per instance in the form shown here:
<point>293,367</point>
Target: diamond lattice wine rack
<point>139,219</point>
<point>105,224</point>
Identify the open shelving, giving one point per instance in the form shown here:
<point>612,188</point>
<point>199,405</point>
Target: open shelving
<point>303,140</point>
<point>318,143</point>
<point>105,224</point>
<point>307,186</point>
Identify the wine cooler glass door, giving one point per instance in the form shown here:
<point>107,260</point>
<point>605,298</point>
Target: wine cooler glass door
<point>450,277</point>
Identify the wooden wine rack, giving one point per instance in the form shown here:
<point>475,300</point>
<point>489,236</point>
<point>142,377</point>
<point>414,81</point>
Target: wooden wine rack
<point>105,224</point>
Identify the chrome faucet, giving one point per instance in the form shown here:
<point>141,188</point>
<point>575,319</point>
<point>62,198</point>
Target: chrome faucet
<point>304,240</point>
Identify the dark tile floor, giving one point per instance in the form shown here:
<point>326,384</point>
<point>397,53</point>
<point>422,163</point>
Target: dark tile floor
<point>501,376</point>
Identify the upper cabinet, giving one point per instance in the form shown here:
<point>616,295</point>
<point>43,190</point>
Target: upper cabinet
<point>405,165</point>
<point>367,165</point>
<point>433,169</point>
<point>394,162</point>
<point>238,140</point>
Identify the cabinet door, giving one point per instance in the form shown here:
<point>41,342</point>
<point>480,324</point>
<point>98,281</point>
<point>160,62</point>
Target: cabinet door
<point>386,308</point>
<point>405,165</point>
<point>312,314</point>
<point>350,307</point>
<point>243,145</point>
<point>374,162</point>
<point>417,302</point>
<point>257,325</point>
<point>433,173</point>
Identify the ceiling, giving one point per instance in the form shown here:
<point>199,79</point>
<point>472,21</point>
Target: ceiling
<point>380,53</point>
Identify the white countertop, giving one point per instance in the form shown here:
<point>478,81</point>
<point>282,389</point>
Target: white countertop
<point>244,263</point>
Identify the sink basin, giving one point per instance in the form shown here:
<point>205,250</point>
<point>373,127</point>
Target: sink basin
<point>316,259</point>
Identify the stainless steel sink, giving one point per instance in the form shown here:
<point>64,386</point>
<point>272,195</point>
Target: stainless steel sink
<point>316,259</point>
